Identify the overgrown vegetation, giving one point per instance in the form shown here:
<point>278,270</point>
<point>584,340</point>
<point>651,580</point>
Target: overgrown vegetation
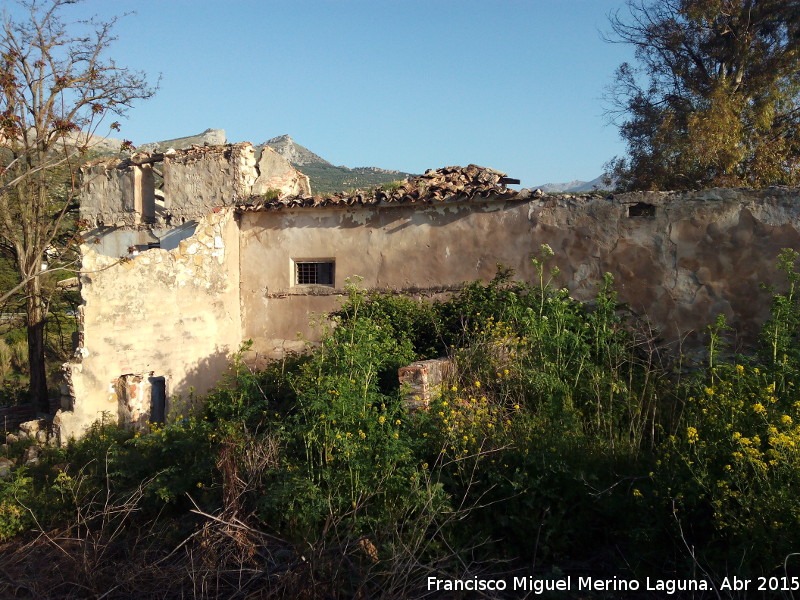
<point>559,446</point>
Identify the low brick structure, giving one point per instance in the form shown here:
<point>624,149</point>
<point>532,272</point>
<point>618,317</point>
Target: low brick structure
<point>422,381</point>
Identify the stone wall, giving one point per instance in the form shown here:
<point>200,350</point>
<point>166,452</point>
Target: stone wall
<point>173,187</point>
<point>276,173</point>
<point>116,192</point>
<point>171,314</point>
<point>679,259</point>
<point>200,179</point>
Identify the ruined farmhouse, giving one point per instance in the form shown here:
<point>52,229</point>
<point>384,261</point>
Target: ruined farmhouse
<point>191,252</point>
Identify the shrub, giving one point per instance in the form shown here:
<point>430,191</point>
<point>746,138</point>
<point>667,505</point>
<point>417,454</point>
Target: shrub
<point>14,493</point>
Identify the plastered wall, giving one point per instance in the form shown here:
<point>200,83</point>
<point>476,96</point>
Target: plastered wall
<point>679,259</point>
<point>165,313</point>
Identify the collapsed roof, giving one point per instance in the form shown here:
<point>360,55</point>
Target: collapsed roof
<point>447,184</point>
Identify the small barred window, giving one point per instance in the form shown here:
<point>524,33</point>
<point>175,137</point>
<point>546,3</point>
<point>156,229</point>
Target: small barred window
<point>314,273</point>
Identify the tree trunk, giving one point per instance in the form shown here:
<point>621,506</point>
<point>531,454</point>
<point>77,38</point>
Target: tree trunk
<point>35,321</point>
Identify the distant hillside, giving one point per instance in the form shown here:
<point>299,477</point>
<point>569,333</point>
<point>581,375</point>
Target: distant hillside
<point>111,146</point>
<point>576,186</point>
<point>211,137</point>
<point>325,177</point>
<point>97,144</point>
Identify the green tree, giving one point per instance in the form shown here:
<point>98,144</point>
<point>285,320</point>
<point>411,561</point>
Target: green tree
<point>57,86</point>
<point>714,97</point>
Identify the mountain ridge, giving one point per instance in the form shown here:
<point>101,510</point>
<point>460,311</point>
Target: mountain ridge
<point>326,178</point>
<point>296,154</point>
<point>576,185</point>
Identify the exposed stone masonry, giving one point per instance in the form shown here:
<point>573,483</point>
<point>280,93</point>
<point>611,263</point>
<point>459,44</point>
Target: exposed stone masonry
<point>125,193</point>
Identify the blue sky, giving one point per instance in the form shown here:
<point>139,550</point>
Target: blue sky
<point>403,84</point>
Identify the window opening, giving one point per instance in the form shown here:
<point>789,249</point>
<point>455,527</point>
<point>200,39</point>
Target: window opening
<point>314,273</point>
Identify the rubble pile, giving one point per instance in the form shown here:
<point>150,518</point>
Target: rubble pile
<point>447,184</point>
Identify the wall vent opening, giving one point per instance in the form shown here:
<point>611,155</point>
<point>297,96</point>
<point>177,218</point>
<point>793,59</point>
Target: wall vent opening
<point>641,209</point>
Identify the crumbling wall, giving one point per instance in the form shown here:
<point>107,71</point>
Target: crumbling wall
<point>276,173</point>
<point>173,187</point>
<point>199,179</point>
<point>678,259</point>
<point>118,193</point>
<point>163,314</point>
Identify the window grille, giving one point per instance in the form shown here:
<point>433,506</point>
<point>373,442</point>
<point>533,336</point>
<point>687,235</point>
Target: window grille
<point>314,273</point>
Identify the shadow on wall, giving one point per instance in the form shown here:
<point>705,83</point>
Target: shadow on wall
<point>203,376</point>
<point>156,397</point>
<point>382,216</point>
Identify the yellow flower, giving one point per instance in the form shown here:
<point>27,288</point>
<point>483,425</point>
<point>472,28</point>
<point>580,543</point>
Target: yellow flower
<point>739,369</point>
<point>478,384</point>
<point>381,419</point>
<point>692,435</point>
<point>786,420</point>
<point>637,493</point>
<point>759,409</point>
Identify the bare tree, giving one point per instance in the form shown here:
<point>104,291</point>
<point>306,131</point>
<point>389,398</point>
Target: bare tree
<point>58,86</point>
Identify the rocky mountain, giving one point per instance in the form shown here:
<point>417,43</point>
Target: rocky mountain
<point>576,186</point>
<point>298,155</point>
<point>96,143</point>
<point>325,177</point>
<point>210,137</point>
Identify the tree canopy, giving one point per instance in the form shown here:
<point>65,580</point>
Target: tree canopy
<point>57,85</point>
<point>714,96</point>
